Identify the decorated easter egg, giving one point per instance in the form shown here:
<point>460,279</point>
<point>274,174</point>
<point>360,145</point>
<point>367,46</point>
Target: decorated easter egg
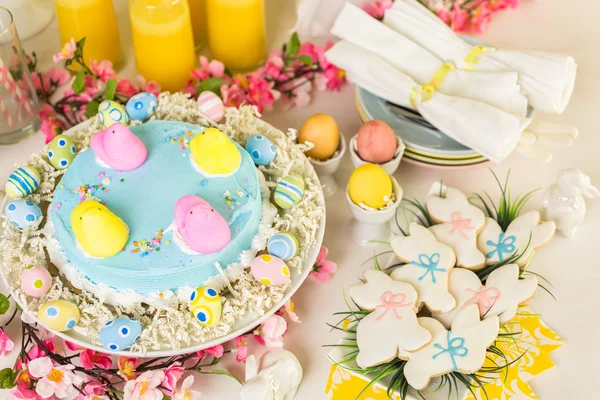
<point>261,149</point>
<point>214,154</point>
<point>23,214</point>
<point>322,131</point>
<point>205,303</point>
<point>289,191</point>
<point>35,281</point>
<point>23,182</point>
<point>112,112</point>
<point>283,245</point>
<point>270,270</point>
<point>370,185</point>
<point>141,106</point>
<point>61,151</point>
<point>211,105</point>
<point>376,142</point>
<point>59,315</point>
<point>120,333</point>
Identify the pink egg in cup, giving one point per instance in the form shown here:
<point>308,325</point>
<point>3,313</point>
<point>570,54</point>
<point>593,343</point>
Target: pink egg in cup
<point>376,143</point>
<point>270,270</point>
<point>35,281</point>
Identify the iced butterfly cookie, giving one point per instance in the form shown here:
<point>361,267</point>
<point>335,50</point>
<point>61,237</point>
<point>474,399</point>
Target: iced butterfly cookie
<point>462,349</point>
<point>392,325</point>
<point>459,223</point>
<point>499,246</point>
<point>501,295</point>
<point>429,263</point>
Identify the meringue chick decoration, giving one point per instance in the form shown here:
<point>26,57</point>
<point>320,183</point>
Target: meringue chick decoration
<point>214,154</point>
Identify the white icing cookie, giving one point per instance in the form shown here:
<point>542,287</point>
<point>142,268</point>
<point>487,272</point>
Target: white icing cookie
<point>462,349</point>
<point>501,295</point>
<point>498,245</point>
<point>429,263</point>
<point>392,325</point>
<point>459,223</point>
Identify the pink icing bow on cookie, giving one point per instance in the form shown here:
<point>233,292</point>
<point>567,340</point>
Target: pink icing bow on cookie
<point>459,224</point>
<point>391,303</point>
<point>485,298</point>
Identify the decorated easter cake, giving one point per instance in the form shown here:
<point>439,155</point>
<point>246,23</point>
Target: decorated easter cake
<point>167,217</point>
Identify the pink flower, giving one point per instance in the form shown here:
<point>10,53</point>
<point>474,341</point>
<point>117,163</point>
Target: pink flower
<point>316,53</point>
<point>6,345</point>
<point>289,308</point>
<point>444,15</point>
<point>152,87</point>
<point>127,88</point>
<point>234,95</point>
<point>215,351</point>
<point>172,375</point>
<point>214,68</point>
<point>273,68</point>
<point>127,366</point>
<point>271,331</point>
<point>50,80</point>
<point>300,94</point>
<point>323,269</point>
<point>92,390</point>
<point>67,51</point>
<point>513,3</point>
<point>145,386</point>
<point>241,348</point>
<point>103,70</point>
<point>458,19</point>
<point>92,86</point>
<point>53,381</point>
<point>184,392</point>
<point>481,17</point>
<point>260,92</point>
<point>90,359</point>
<point>377,8</point>
<point>23,393</point>
<point>496,5</point>
<point>73,346</point>
<point>336,77</point>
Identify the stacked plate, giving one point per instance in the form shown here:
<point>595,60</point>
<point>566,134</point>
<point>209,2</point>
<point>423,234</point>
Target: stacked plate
<point>425,145</point>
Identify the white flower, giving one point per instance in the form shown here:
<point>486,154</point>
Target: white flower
<point>145,387</point>
<point>184,393</point>
<point>53,381</point>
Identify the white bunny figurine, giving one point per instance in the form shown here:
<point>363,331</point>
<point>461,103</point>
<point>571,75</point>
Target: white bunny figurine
<point>563,202</point>
<point>279,377</point>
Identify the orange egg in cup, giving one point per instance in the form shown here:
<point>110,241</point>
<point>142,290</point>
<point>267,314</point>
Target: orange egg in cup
<point>376,143</point>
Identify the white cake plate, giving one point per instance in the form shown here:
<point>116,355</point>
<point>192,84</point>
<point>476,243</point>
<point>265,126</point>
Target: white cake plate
<point>246,324</point>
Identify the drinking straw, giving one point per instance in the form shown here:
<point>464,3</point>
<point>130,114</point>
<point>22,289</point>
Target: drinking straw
<point>6,114</point>
<point>13,88</point>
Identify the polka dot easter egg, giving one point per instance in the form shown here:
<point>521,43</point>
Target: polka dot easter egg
<point>270,270</point>
<point>211,105</point>
<point>261,149</point>
<point>120,333</point>
<point>61,151</point>
<point>35,281</point>
<point>23,182</point>
<point>283,245</point>
<point>205,303</point>
<point>59,315</point>
<point>289,191</point>
<point>112,112</point>
<point>141,106</point>
<point>23,214</point>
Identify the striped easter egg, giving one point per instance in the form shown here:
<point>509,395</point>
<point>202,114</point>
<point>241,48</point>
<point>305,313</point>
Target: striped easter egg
<point>283,245</point>
<point>22,182</point>
<point>211,105</point>
<point>289,191</point>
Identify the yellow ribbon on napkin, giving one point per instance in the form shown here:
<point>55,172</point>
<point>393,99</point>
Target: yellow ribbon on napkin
<point>472,58</point>
<point>424,93</point>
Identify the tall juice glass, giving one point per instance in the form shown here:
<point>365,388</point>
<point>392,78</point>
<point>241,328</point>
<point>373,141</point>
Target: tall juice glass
<point>96,21</point>
<point>198,14</point>
<point>236,32</point>
<point>163,41</point>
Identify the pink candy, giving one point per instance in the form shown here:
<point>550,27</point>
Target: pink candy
<point>202,228</point>
<point>211,105</point>
<point>119,148</point>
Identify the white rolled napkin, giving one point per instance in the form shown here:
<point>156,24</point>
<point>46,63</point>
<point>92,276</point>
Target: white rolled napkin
<point>499,89</point>
<point>548,79</point>
<point>489,131</point>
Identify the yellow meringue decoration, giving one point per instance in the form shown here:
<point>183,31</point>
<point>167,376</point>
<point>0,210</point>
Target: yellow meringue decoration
<point>99,232</point>
<point>214,153</point>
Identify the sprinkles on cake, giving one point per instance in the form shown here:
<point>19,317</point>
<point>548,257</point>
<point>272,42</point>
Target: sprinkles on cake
<point>145,247</point>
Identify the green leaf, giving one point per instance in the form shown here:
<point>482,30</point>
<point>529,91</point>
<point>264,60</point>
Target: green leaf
<point>110,90</point>
<point>212,85</point>
<point>293,45</point>
<point>4,304</point>
<point>79,48</point>
<point>92,108</point>
<point>306,60</point>
<point>165,397</point>
<point>7,378</point>
<point>78,82</point>
<point>219,372</point>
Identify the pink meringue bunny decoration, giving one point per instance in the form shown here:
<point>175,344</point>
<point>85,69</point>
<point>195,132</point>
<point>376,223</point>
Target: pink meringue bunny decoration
<point>119,148</point>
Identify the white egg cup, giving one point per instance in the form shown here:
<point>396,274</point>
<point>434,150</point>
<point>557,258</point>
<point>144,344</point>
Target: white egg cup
<point>373,225</point>
<point>389,167</point>
<point>325,169</point>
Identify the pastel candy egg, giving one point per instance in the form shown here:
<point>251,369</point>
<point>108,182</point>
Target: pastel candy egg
<point>261,149</point>
<point>289,191</point>
<point>283,245</point>
<point>59,315</point>
<point>23,182</point>
<point>112,112</point>
<point>270,270</point>
<point>35,281</point>
<point>120,333</point>
<point>61,151</point>
<point>211,105</point>
<point>205,304</point>
<point>23,214</point>
<point>141,106</point>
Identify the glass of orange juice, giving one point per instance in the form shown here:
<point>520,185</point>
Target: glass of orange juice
<point>198,14</point>
<point>96,21</point>
<point>163,41</point>
<point>237,33</point>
